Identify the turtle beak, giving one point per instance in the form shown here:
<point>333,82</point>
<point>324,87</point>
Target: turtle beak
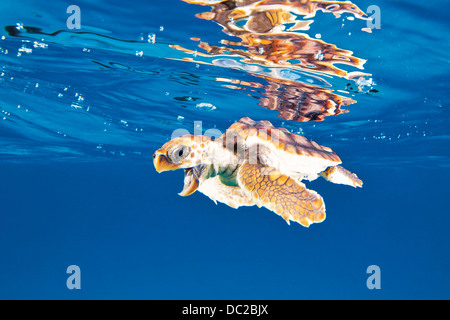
<point>162,162</point>
<point>191,183</point>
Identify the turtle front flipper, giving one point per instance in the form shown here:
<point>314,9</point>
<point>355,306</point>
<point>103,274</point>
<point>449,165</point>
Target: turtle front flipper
<point>281,194</point>
<point>234,197</point>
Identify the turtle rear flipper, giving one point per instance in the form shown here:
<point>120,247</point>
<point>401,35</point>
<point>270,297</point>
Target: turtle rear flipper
<point>281,194</point>
<point>339,175</point>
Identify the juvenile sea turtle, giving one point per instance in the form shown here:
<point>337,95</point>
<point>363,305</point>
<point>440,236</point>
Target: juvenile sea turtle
<point>254,163</point>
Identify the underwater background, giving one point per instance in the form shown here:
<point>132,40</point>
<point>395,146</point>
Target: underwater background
<point>83,110</point>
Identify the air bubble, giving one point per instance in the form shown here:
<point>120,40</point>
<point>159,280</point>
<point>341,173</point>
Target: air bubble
<point>206,106</point>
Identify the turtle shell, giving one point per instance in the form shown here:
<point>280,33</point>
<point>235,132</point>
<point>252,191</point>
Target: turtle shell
<point>290,153</point>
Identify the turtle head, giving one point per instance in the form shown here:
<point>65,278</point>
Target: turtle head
<point>183,152</point>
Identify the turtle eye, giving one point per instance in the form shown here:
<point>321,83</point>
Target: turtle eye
<point>179,153</point>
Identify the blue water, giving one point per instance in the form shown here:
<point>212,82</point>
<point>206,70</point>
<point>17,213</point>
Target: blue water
<point>82,112</point>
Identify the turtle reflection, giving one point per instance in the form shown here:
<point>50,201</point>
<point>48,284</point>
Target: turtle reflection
<point>293,101</point>
<point>272,36</point>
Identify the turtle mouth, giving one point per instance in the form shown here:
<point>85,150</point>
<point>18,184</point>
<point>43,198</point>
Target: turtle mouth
<point>162,162</point>
<point>191,182</point>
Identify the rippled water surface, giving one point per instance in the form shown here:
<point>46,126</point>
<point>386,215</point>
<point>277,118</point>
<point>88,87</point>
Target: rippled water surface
<point>83,110</point>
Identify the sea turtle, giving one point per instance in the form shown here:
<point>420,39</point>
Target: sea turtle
<point>254,163</point>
